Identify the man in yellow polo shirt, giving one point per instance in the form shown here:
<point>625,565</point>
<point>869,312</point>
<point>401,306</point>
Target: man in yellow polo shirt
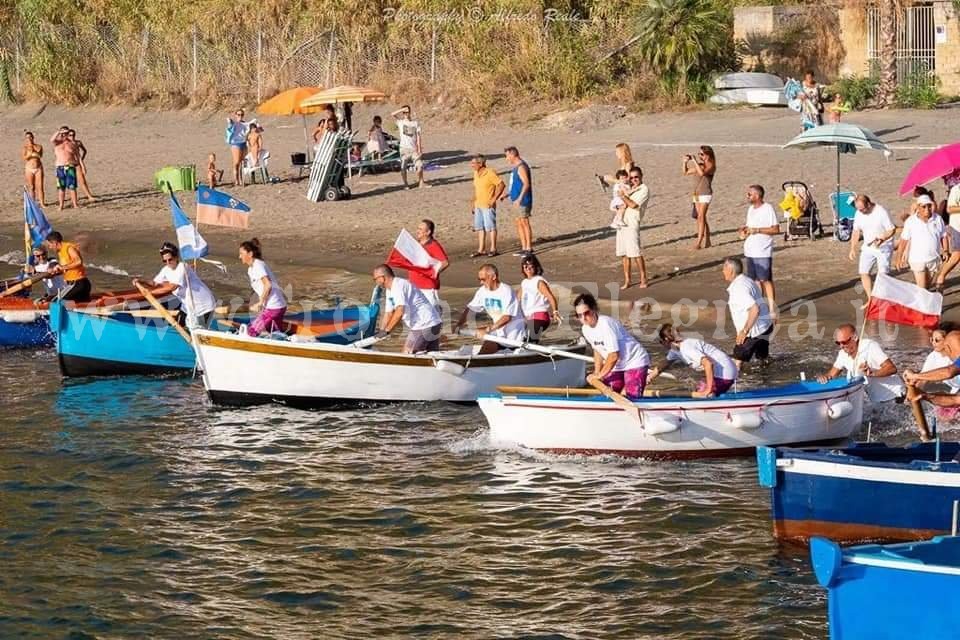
<point>487,189</point>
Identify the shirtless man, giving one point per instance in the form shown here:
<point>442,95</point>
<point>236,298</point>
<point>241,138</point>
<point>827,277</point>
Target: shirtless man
<point>65,154</point>
<point>81,155</point>
<point>254,144</point>
<point>32,154</point>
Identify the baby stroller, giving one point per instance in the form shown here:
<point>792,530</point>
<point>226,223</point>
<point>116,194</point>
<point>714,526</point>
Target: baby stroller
<point>801,212</point>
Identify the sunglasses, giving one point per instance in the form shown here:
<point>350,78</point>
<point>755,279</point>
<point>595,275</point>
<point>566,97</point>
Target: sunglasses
<point>843,343</point>
<point>583,314</point>
<point>936,340</point>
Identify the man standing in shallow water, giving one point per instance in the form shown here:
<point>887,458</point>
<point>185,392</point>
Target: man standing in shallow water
<point>65,152</point>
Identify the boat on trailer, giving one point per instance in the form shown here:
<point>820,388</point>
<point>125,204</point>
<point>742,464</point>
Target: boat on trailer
<point>143,342</point>
<point>581,421</point>
<point>238,369</point>
<point>865,492</point>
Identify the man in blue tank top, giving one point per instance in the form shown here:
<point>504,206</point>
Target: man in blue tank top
<point>521,195</point>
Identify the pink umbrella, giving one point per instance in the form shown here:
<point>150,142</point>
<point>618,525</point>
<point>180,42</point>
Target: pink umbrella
<point>937,164</point>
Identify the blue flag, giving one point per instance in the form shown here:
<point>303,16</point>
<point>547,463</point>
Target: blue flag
<point>192,244</point>
<point>222,209</point>
<point>36,222</point>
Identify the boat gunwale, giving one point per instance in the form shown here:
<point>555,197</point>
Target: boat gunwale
<point>347,353</point>
<point>841,457</point>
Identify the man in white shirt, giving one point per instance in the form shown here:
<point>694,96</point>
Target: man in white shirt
<point>872,222</point>
<point>719,370</point>
<point>177,278</point>
<point>864,357</point>
<point>411,145</point>
<point>757,235</point>
<point>618,359</point>
<point>500,302</point>
<point>922,242</point>
<point>407,303</point>
<point>750,314</point>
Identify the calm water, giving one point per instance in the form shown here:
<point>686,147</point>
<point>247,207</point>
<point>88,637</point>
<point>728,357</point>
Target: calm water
<point>133,509</point>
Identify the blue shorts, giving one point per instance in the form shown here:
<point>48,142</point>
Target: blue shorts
<point>484,219</point>
<point>239,145</point>
<point>760,269</point>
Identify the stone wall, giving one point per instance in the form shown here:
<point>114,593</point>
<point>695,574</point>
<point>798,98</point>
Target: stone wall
<point>948,53</point>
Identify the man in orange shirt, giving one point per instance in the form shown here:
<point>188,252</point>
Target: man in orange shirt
<point>71,267</point>
<point>487,189</point>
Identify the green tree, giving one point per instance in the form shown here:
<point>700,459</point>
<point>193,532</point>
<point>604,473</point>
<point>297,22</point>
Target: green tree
<point>683,41</point>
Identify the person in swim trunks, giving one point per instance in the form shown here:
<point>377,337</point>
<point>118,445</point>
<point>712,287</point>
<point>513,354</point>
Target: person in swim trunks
<point>65,152</point>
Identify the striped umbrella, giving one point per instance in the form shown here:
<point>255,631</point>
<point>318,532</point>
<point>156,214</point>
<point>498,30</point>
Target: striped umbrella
<point>845,137</point>
<point>344,93</point>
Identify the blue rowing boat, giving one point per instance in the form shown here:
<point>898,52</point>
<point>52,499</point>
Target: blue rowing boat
<point>887,592</point>
<point>124,343</point>
<point>867,491</point>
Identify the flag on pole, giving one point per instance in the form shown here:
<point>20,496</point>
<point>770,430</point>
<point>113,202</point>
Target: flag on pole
<point>36,222</point>
<point>409,254</point>
<point>221,209</point>
<point>192,244</point>
<point>904,303</point>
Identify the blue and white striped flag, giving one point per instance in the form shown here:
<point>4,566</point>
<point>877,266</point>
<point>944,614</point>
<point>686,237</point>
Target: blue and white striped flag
<point>192,244</point>
<point>36,222</point>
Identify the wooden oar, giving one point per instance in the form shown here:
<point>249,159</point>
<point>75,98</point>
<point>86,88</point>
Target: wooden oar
<point>631,409</point>
<point>166,315</point>
<point>23,284</point>
<point>529,346</point>
<point>367,342</point>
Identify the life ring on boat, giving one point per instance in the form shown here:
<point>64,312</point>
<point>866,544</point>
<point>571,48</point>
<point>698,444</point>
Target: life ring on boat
<point>658,424</point>
<point>839,409</point>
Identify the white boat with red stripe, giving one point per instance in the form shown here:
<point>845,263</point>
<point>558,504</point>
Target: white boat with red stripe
<point>581,421</point>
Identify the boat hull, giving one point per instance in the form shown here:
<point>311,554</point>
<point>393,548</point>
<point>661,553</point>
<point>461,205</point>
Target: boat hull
<point>128,344</point>
<point>861,493</point>
<point>878,592</point>
<point>17,330</point>
<point>733,424</point>
<point>243,370</point>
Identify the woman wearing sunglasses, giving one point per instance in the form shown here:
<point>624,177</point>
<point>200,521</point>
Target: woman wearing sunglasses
<point>618,359</point>
<point>537,300</point>
<point>177,278</point>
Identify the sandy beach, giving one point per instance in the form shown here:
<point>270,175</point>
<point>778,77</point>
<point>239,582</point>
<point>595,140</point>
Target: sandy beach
<point>321,247</point>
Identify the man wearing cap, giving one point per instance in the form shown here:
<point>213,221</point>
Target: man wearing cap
<point>177,278</point>
<point>922,242</point>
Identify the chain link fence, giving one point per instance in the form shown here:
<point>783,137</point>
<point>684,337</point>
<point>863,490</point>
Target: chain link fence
<point>250,63</point>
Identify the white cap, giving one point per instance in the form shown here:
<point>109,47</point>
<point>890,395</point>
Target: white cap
<point>921,200</point>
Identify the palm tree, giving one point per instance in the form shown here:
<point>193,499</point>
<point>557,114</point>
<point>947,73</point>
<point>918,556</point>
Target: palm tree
<point>684,39</point>
<point>887,88</point>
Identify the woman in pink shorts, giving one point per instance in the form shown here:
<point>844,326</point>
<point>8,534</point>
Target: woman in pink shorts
<point>271,303</point>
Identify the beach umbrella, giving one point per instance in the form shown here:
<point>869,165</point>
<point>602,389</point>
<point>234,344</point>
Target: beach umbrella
<point>937,164</point>
<point>344,93</point>
<point>845,137</point>
<point>288,103</point>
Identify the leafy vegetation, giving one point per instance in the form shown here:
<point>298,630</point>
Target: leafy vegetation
<point>857,91</point>
<point>920,90</point>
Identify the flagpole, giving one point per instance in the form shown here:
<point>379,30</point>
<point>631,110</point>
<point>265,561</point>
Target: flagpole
<point>27,242</point>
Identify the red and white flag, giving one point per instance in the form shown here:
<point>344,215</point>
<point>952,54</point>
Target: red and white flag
<point>904,303</point>
<point>409,254</point>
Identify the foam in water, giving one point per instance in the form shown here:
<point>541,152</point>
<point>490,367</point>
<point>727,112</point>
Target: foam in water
<point>109,268</point>
<point>13,257</point>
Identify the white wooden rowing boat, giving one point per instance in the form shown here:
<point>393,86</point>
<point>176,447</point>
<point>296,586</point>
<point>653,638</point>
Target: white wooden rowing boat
<point>238,369</point>
<point>732,424</point>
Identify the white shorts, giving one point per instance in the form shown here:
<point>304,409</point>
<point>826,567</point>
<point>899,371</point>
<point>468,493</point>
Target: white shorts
<point>408,157</point>
<point>930,265</point>
<point>870,259</point>
<point>705,199</point>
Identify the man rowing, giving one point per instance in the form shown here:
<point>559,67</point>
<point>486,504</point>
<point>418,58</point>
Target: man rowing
<point>864,357</point>
<point>719,369</point>
<point>197,302</point>
<point>406,303</point>
<point>618,359</point>
<point>499,302</point>
<point>70,265</point>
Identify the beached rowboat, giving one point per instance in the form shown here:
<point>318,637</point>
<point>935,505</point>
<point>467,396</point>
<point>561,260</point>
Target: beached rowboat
<point>90,344</point>
<point>26,323</point>
<point>243,370</point>
<point>581,421</point>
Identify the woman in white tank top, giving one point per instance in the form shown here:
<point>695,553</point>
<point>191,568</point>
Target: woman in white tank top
<point>537,300</point>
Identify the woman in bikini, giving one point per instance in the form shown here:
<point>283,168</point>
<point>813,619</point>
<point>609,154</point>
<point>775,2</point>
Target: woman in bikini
<point>703,168</point>
<point>33,167</point>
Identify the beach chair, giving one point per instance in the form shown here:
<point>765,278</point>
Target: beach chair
<point>251,169</point>
<point>843,213</point>
<point>329,164</point>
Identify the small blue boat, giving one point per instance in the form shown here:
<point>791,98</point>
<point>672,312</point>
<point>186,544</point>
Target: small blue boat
<point>888,592</point>
<point>130,343</point>
<point>865,492</point>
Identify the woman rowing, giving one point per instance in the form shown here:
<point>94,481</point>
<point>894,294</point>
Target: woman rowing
<point>177,278</point>
<point>271,303</point>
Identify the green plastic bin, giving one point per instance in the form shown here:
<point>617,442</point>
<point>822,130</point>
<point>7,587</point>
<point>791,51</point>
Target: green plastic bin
<point>183,178</point>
